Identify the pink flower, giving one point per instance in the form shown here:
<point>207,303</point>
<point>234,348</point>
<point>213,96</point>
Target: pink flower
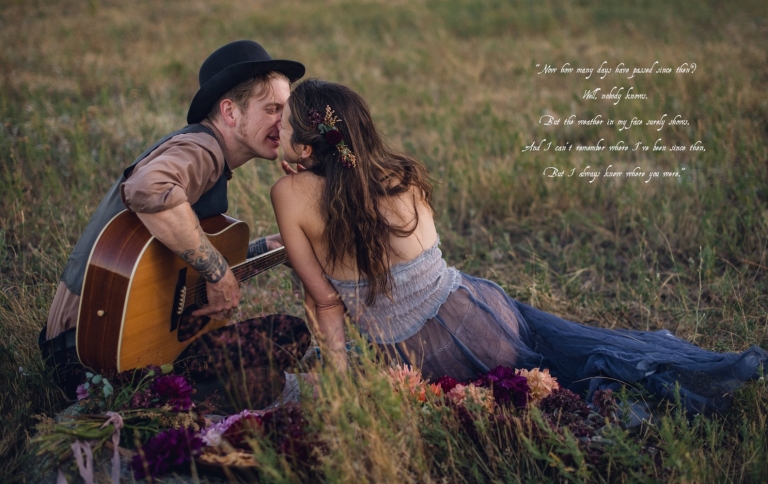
<point>463,394</point>
<point>212,434</point>
<point>82,392</point>
<point>406,378</point>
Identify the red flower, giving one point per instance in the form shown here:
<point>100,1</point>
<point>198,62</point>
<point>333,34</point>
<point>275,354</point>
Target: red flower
<point>447,383</point>
<point>333,137</point>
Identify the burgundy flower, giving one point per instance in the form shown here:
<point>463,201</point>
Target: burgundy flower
<point>243,429</point>
<point>563,401</point>
<point>333,137</point>
<point>447,383</point>
<point>175,390</point>
<point>152,370</point>
<point>506,385</point>
<point>168,449</point>
<point>315,118</point>
<point>500,373</point>
<point>605,403</point>
<point>288,430</point>
<point>142,399</point>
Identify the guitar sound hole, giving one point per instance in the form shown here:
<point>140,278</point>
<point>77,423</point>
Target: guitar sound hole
<point>190,325</point>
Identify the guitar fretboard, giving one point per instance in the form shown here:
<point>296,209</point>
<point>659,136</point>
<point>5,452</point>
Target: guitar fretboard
<point>243,271</point>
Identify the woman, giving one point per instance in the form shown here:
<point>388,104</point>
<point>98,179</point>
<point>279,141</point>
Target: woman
<point>359,231</point>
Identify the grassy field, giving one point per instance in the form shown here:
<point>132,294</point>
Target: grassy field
<point>86,86</point>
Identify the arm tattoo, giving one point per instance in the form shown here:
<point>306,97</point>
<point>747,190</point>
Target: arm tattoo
<point>206,259</point>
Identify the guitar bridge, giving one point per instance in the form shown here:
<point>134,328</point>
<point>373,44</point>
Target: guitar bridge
<point>179,299</point>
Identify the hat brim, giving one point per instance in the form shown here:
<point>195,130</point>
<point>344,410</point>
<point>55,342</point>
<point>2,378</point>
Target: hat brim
<point>218,85</point>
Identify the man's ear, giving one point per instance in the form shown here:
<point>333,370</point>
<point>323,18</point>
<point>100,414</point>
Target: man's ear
<point>229,112</point>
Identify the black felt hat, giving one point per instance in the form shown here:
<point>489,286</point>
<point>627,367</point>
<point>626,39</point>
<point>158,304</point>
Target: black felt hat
<point>230,65</point>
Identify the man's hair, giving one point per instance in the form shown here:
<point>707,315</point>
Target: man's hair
<point>257,86</point>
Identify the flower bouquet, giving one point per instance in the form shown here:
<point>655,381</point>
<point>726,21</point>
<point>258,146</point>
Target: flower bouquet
<point>151,412</point>
<point>133,407</point>
<point>504,395</point>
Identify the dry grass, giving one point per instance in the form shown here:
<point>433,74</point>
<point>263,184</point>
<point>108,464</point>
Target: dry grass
<point>85,86</point>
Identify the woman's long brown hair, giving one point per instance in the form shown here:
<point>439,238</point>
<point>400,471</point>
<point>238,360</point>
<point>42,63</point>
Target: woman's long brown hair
<point>351,198</point>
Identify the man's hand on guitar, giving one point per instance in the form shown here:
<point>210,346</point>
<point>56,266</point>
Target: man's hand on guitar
<point>223,297</point>
<point>179,229</point>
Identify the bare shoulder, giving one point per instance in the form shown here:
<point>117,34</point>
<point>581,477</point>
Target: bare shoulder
<point>301,186</point>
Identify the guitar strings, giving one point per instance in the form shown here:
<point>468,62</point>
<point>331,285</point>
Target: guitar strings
<point>246,267</point>
<point>197,292</point>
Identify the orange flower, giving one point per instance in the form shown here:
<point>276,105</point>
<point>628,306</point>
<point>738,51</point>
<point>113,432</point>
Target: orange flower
<point>436,389</point>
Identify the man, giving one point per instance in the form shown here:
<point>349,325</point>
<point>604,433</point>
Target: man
<point>234,117</point>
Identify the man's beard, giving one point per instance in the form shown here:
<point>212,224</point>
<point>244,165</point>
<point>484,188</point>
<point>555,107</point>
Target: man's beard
<point>241,127</point>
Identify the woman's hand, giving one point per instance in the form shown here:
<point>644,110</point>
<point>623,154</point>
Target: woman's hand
<point>289,170</point>
<point>326,322</point>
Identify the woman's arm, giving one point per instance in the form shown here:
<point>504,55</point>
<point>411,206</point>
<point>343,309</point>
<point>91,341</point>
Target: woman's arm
<point>330,335</point>
<point>325,311</point>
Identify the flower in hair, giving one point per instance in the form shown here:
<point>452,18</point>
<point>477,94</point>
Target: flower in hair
<point>315,118</point>
<point>332,134</point>
<point>333,137</point>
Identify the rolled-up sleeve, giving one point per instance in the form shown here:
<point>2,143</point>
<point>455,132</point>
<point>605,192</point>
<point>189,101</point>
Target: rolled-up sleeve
<point>180,170</point>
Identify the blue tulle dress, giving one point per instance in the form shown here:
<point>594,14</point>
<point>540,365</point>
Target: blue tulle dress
<point>446,322</point>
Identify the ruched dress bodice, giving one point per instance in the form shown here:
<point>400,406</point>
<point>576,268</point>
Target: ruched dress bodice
<point>419,288</point>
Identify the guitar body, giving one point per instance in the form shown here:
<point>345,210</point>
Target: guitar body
<point>137,294</point>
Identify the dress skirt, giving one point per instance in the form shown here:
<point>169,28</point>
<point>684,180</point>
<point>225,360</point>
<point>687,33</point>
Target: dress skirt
<point>480,327</point>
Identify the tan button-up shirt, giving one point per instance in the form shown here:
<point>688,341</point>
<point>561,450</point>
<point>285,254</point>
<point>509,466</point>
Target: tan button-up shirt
<point>180,170</point>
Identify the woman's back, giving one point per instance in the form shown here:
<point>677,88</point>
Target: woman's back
<point>399,210</point>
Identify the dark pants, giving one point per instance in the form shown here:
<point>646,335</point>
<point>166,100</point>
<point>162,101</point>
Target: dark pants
<point>244,363</point>
<point>60,356</point>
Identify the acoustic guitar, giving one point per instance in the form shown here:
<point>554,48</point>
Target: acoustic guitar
<point>138,295</point>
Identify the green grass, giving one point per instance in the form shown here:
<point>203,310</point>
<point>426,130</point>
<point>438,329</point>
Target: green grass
<point>85,87</point>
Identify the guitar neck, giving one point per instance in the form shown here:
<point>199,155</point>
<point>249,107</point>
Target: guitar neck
<point>250,268</point>
<point>256,265</point>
